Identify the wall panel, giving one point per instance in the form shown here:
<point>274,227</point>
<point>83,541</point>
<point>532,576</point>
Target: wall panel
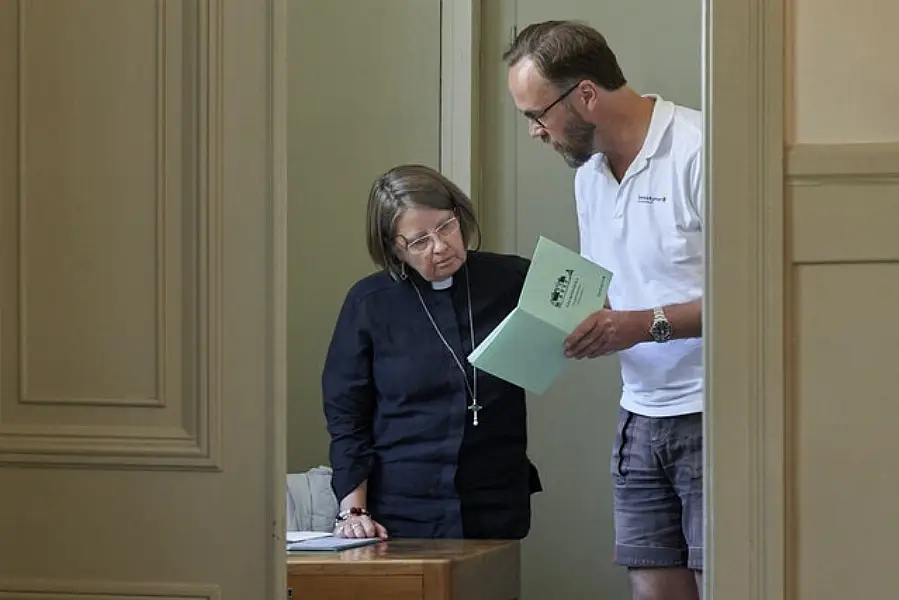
<point>110,229</point>
<point>843,207</point>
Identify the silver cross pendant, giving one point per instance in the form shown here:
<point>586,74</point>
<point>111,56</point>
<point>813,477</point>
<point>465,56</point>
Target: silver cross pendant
<point>474,408</point>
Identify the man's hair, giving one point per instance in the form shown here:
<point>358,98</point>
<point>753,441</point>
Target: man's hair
<point>412,186</point>
<point>566,52</point>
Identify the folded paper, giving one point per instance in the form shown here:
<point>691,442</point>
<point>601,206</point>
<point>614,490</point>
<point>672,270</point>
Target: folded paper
<point>561,289</point>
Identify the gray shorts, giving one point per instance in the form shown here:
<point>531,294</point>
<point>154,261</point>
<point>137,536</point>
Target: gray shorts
<point>657,475</point>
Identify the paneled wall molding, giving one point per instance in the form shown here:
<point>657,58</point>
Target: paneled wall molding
<point>49,413</point>
<point>459,76</point>
<point>142,262</point>
<point>52,589</point>
<point>838,160</point>
<point>842,249</point>
<point>843,203</point>
<point>165,21</point>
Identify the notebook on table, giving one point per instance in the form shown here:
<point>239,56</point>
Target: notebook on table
<point>313,541</point>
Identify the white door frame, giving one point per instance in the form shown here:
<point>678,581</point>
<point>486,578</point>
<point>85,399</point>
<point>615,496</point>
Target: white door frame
<point>743,97</point>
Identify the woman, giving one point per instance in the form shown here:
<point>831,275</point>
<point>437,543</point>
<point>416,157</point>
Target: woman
<point>423,445</point>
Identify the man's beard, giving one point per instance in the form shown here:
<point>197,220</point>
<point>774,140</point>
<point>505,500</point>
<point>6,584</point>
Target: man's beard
<point>576,146</point>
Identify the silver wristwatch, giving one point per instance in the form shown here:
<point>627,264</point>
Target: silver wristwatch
<point>661,328</point>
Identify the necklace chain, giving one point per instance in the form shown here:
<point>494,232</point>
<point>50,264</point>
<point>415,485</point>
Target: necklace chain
<point>474,407</point>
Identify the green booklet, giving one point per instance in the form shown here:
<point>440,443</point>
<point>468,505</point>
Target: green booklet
<point>561,289</point>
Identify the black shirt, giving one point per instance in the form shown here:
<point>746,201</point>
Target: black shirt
<point>396,405</point>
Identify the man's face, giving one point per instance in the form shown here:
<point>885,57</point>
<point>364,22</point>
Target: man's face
<point>550,113</point>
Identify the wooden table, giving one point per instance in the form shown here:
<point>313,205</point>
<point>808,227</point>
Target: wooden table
<point>409,570</point>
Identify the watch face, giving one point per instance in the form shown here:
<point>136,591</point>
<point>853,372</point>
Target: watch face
<point>661,331</point>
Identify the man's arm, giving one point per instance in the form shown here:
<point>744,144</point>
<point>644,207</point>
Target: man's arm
<point>685,319</point>
<point>608,330</point>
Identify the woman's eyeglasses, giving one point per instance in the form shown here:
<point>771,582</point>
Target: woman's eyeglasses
<point>425,243</point>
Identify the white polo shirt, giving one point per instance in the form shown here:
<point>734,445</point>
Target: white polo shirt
<point>647,230</point>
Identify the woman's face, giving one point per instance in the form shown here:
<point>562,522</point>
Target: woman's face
<point>430,241</point>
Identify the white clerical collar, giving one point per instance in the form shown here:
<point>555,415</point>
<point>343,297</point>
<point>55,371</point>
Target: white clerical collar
<point>443,283</point>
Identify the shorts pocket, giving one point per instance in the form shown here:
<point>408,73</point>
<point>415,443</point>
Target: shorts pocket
<point>618,464</point>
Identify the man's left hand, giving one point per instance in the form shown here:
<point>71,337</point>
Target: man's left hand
<point>608,331</point>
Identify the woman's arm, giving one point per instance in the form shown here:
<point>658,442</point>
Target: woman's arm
<point>348,400</point>
<point>354,520</point>
<point>355,499</point>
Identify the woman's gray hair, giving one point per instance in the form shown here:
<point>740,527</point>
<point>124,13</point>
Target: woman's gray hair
<point>412,186</point>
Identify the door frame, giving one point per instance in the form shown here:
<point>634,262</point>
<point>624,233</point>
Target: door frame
<point>460,36</point>
<point>743,315</point>
<point>277,52</point>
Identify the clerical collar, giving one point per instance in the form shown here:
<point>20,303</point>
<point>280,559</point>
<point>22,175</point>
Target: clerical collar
<point>443,284</point>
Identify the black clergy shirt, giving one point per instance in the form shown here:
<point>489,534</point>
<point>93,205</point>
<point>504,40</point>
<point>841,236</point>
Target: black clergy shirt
<point>396,405</point>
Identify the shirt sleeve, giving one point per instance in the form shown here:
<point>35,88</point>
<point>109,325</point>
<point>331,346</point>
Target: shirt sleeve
<point>348,397</point>
<point>696,187</point>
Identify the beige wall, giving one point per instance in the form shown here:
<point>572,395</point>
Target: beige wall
<point>842,201</point>
<point>356,108</point>
<point>844,71</point>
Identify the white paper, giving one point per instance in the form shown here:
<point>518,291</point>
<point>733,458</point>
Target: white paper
<point>302,536</point>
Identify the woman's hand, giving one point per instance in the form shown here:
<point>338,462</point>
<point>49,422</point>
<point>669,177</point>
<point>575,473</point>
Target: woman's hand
<point>360,526</point>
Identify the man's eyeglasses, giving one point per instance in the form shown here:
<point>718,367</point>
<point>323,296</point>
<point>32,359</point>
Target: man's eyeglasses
<point>536,118</point>
<point>425,243</point>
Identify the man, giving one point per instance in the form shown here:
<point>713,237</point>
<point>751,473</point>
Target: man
<point>639,208</point>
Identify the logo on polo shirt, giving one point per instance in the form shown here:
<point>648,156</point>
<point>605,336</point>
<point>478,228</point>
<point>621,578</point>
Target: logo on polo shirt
<point>651,199</point>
